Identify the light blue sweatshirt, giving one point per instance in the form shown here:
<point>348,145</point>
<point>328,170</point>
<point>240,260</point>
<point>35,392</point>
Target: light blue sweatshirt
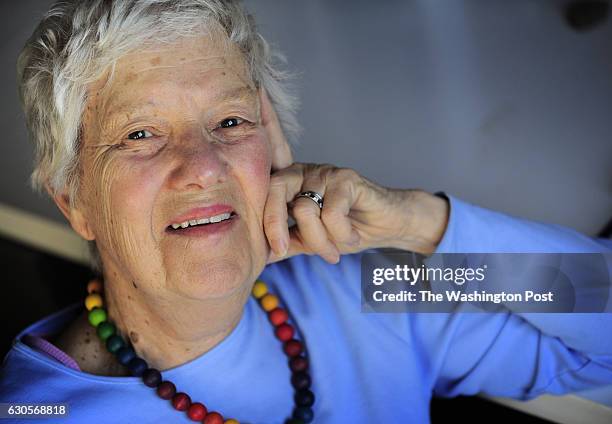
<point>366,367</point>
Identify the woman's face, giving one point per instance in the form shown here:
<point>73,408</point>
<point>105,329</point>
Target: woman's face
<point>177,137</point>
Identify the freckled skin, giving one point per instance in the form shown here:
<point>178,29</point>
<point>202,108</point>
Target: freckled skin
<point>132,189</point>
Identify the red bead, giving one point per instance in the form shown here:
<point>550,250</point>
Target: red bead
<point>213,418</point>
<point>298,363</point>
<point>196,411</point>
<point>166,390</point>
<point>181,401</point>
<point>293,347</point>
<point>278,316</point>
<point>284,332</point>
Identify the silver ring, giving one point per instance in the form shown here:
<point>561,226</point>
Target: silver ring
<point>312,195</point>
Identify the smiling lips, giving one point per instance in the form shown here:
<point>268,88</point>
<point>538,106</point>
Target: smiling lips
<point>194,222</point>
<point>202,216</point>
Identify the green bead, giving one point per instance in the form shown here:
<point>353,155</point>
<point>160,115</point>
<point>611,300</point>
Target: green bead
<point>96,316</point>
<point>105,330</point>
<point>114,343</point>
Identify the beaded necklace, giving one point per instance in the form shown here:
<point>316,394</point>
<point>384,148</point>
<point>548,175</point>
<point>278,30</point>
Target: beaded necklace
<point>196,411</point>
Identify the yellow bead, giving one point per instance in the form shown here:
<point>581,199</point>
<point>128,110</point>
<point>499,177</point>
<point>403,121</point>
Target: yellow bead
<point>269,302</point>
<point>92,301</point>
<point>94,286</point>
<point>231,421</point>
<point>259,289</point>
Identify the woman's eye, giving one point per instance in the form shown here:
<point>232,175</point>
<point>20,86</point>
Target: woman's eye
<point>231,122</point>
<point>137,135</point>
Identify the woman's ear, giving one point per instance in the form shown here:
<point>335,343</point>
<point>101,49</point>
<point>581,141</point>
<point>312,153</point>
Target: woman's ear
<point>75,216</point>
<point>281,152</point>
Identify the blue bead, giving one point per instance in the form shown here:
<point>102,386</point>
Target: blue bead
<point>303,413</point>
<point>137,366</point>
<point>125,355</point>
<point>304,398</point>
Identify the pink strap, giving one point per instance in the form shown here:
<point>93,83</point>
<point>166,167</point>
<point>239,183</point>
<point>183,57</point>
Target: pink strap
<point>44,346</point>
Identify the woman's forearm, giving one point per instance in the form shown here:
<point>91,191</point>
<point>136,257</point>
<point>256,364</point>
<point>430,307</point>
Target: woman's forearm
<point>426,221</point>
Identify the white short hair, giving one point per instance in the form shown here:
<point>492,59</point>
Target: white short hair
<point>77,41</point>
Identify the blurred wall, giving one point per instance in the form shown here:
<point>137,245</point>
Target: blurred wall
<point>500,103</point>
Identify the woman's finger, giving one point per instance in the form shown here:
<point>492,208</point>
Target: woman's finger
<point>275,216</point>
<point>296,247</point>
<point>339,199</point>
<point>282,184</point>
<point>307,215</point>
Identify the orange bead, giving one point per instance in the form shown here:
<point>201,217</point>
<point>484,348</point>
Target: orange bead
<point>94,300</point>
<point>259,289</point>
<point>231,421</point>
<point>94,286</point>
<point>269,302</point>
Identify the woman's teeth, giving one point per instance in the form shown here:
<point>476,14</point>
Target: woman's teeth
<point>194,222</point>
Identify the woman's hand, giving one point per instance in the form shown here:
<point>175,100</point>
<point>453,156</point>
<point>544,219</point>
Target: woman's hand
<point>357,214</point>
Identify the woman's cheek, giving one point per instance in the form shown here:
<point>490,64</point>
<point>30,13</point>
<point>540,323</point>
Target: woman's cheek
<point>122,197</point>
<point>250,165</point>
<point>256,186</point>
<point>257,163</point>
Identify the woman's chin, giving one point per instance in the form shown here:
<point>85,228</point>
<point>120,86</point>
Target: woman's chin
<point>213,281</point>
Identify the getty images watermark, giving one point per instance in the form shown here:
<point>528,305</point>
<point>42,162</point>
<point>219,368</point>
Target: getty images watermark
<point>393,281</point>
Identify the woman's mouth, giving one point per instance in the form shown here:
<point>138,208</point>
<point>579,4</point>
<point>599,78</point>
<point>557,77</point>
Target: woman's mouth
<point>203,226</point>
<point>202,221</point>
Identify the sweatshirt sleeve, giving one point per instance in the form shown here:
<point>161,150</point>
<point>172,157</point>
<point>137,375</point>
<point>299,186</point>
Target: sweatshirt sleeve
<point>521,355</point>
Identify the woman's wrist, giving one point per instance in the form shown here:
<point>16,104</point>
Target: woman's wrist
<point>426,217</point>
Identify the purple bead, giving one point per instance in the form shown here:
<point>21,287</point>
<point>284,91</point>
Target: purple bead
<point>298,363</point>
<point>137,366</point>
<point>300,380</point>
<point>166,390</point>
<point>151,377</point>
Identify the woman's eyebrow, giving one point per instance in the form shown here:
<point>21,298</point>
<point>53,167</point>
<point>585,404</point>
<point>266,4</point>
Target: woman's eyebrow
<point>129,111</point>
<point>238,93</point>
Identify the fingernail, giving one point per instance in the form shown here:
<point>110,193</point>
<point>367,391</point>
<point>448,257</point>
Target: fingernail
<point>282,247</point>
<point>333,258</point>
<point>354,238</point>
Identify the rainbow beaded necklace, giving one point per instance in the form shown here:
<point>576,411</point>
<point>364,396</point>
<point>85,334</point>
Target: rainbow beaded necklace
<point>196,411</point>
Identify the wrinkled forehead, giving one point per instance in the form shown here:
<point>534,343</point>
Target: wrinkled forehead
<point>210,64</point>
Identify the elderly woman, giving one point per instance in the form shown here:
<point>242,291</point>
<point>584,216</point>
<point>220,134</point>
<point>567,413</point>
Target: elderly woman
<point>159,134</point>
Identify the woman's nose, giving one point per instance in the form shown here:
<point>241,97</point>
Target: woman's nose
<point>198,164</point>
